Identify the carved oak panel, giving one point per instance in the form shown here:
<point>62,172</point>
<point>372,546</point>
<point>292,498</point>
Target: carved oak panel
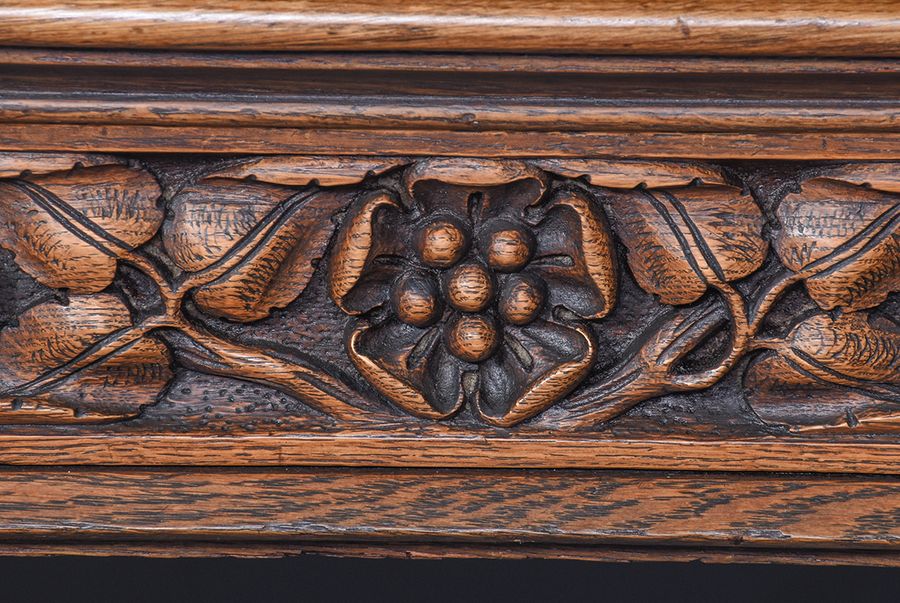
<point>305,294</point>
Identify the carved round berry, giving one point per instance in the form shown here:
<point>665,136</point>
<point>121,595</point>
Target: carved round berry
<point>470,288</point>
<point>442,243</point>
<point>416,300</point>
<point>472,338</point>
<point>509,247</point>
<point>521,299</point>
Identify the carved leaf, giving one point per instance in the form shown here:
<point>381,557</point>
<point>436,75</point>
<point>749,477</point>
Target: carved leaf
<point>210,218</point>
<point>52,335</point>
<point>293,170</point>
<point>829,372</point>
<point>56,224</point>
<point>681,239</point>
<point>632,173</point>
<point>219,218</point>
<point>881,176</point>
<point>844,239</point>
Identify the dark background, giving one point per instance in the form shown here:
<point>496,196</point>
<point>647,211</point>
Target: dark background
<point>318,578</point>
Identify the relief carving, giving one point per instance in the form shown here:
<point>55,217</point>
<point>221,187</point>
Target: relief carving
<point>484,288</point>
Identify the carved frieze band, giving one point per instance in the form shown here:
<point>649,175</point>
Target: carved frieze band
<point>484,285</point>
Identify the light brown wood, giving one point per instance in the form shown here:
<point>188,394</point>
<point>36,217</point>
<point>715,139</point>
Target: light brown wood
<point>435,447</point>
<point>792,27</point>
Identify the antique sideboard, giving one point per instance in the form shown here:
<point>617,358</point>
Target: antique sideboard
<point>598,280</point>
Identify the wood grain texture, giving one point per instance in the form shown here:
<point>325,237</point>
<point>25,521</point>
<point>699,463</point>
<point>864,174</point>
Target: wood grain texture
<point>525,99</point>
<point>496,508</point>
<point>489,295</point>
<point>796,27</point>
<point>444,62</point>
<point>437,448</point>
<point>486,143</point>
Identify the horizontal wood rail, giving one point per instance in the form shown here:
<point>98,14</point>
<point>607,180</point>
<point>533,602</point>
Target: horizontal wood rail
<point>713,27</point>
<point>573,511</point>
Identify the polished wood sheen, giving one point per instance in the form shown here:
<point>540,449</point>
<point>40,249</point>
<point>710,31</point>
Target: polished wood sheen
<point>723,27</point>
<point>459,279</point>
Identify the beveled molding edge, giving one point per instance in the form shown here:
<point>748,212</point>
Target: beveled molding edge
<point>495,274</point>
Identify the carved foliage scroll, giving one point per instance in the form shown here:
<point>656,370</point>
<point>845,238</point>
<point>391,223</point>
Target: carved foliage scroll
<point>477,287</point>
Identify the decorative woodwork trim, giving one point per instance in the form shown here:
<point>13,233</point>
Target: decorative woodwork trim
<point>472,292</point>
<point>488,264</point>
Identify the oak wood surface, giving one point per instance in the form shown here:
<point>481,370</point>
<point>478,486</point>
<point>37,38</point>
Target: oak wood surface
<point>444,62</point>
<point>713,27</point>
<point>444,506</point>
<point>405,99</point>
<point>487,143</point>
<point>238,473</point>
<point>473,451</point>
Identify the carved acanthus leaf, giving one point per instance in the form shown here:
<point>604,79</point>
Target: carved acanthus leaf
<point>51,336</point>
<point>59,225</point>
<point>844,239</point>
<point>830,372</point>
<point>219,218</point>
<point>682,239</point>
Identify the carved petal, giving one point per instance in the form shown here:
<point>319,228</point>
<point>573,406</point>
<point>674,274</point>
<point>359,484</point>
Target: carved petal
<point>354,253</point>
<point>538,365</point>
<point>277,270</point>
<point>112,200</point>
<point>681,239</point>
<point>410,367</point>
<point>51,335</point>
<point>452,184</point>
<point>575,257</point>
<point>829,372</point>
<point>468,172</point>
<point>846,238</point>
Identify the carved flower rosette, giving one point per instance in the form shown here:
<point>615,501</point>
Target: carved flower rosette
<point>474,286</point>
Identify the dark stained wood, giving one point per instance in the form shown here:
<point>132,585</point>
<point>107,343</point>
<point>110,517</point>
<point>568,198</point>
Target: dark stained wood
<point>714,27</point>
<point>606,554</point>
<point>412,99</point>
<point>450,62</point>
<point>489,508</point>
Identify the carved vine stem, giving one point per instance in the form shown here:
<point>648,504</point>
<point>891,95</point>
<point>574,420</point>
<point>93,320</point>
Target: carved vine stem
<point>648,373</point>
<point>224,357</point>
